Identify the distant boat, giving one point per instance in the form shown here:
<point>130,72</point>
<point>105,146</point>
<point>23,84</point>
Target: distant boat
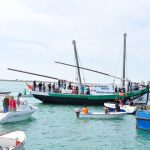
<point>4,93</point>
<point>130,107</point>
<point>12,140</point>
<point>143,119</point>
<point>22,113</point>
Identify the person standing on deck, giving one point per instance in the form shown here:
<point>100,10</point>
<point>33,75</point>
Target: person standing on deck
<point>77,90</point>
<point>12,104</point>
<point>18,100</point>
<point>64,84</point>
<point>69,86</point>
<point>116,89</point>
<point>53,87</point>
<point>44,87</point>
<point>40,86</point>
<point>6,104</point>
<point>34,85</point>
<point>88,91</point>
<point>82,89</point>
<point>59,84</point>
<point>49,87</point>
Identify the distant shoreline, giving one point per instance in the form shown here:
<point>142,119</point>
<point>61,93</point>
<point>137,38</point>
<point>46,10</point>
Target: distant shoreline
<point>17,80</point>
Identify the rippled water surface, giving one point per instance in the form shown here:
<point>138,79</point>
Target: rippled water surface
<point>56,127</point>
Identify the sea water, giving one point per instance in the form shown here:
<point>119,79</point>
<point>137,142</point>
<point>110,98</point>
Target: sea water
<point>55,127</point>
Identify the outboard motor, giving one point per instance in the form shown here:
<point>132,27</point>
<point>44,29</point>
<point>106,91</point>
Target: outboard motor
<point>77,112</point>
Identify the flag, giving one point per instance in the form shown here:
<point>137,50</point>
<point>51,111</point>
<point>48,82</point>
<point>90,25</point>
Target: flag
<point>29,86</point>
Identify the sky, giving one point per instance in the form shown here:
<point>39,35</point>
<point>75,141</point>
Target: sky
<point>36,33</point>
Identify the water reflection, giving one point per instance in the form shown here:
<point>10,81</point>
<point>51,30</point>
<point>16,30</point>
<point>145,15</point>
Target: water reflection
<point>12,126</point>
<point>142,135</point>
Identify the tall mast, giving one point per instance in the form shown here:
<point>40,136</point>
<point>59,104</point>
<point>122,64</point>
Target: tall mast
<point>124,60</point>
<point>77,62</point>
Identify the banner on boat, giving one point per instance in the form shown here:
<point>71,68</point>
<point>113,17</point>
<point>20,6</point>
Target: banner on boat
<point>98,89</point>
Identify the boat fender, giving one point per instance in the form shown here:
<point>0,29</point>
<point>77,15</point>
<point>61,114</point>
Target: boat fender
<point>17,142</point>
<point>78,113</point>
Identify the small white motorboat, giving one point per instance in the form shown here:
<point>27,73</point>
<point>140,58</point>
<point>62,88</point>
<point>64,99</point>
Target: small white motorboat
<point>22,113</point>
<point>100,115</point>
<point>12,141</point>
<point>125,108</point>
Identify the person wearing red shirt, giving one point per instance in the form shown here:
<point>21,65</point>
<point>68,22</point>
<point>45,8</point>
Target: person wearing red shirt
<point>12,104</point>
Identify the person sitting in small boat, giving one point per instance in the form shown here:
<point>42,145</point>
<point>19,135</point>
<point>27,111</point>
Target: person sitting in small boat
<point>106,110</point>
<point>12,104</point>
<point>131,103</point>
<point>117,107</point>
<point>85,110</point>
<point>6,104</point>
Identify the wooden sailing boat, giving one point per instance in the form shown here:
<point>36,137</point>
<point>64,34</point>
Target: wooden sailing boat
<point>82,99</point>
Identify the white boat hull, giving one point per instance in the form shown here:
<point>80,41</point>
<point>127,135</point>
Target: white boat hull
<point>101,115</point>
<point>9,140</point>
<point>17,115</point>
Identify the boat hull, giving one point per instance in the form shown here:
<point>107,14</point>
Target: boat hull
<point>143,120</point>
<point>102,115</point>
<point>9,140</point>
<point>74,99</point>
<point>15,116</point>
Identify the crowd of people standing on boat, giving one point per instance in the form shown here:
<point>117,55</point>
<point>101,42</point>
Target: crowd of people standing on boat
<point>130,87</point>
<point>62,85</point>
<point>50,87</point>
<point>58,87</point>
